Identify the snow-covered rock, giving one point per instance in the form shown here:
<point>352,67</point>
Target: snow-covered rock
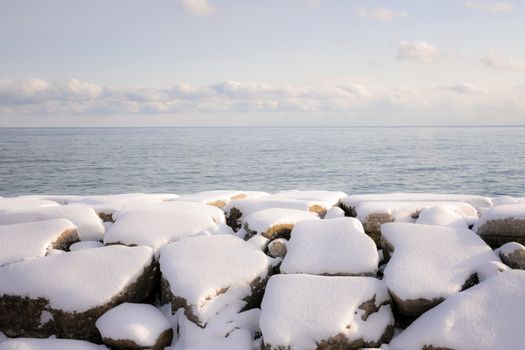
<point>275,222</point>
<point>135,326</point>
<point>503,224</point>
<point>218,198</point>
<point>89,225</point>
<point>64,294</point>
<point>155,228</point>
<point>24,203</point>
<point>277,247</point>
<point>429,263</point>
<point>334,212</point>
<point>441,216</point>
<point>332,197</point>
<point>512,254</point>
<point>238,339</point>
<point>85,245</point>
<point>35,239</point>
<point>206,273</point>
<point>330,247</point>
<point>486,316</point>
<point>48,344</point>
<point>321,312</point>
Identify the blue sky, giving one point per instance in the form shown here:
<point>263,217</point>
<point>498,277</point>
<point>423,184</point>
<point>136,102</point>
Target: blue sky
<point>283,62</point>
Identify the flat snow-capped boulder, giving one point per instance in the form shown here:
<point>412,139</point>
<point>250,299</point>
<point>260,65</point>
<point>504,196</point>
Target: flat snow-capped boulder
<point>135,326</point>
<point>64,294</point>
<point>275,222</point>
<point>35,239</point>
<point>206,273</point>
<point>503,224</point>
<point>331,197</point>
<point>486,316</point>
<point>238,339</point>
<point>89,225</point>
<point>24,203</point>
<point>441,216</point>
<point>217,198</point>
<point>155,228</point>
<point>330,247</point>
<point>374,214</point>
<point>512,254</point>
<point>429,263</point>
<point>321,312</point>
<point>48,344</point>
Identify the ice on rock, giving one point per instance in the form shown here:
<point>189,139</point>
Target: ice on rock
<point>512,254</point>
<point>85,245</point>
<point>89,225</point>
<point>429,263</point>
<point>31,240</point>
<point>75,288</point>
<point>486,316</point>
<point>136,326</point>
<point>206,273</point>
<point>441,216</point>
<point>301,312</point>
<point>156,228</point>
<point>48,344</point>
<point>24,203</point>
<point>503,224</point>
<point>330,247</point>
<point>275,222</point>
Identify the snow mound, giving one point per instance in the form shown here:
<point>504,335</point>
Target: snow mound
<point>441,216</point>
<point>32,240</point>
<point>236,340</point>
<point>486,316</point>
<point>275,221</point>
<point>217,198</point>
<point>334,212</point>
<point>334,247</point>
<point>155,228</point>
<point>430,263</point>
<point>85,245</point>
<point>512,254</point>
<point>48,344</point>
<point>204,274</point>
<point>331,197</point>
<point>503,224</point>
<point>109,204</point>
<point>89,225</point>
<point>142,324</point>
<point>24,203</point>
<point>306,311</point>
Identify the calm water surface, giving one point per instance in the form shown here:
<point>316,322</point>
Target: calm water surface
<point>479,160</point>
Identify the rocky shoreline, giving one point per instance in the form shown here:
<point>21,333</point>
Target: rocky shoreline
<point>293,270</point>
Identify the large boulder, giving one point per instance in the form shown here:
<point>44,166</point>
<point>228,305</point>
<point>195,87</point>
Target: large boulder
<point>25,203</point>
<point>330,247</point>
<point>48,344</point>
<point>207,273</point>
<point>31,240</point>
<point>275,222</point>
<point>503,224</point>
<point>513,254</point>
<point>65,294</point>
<point>321,312</point>
<point>429,263</point>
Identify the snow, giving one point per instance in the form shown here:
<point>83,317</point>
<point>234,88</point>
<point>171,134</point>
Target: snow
<point>30,240</point>
<point>218,198</point>
<point>263,220</point>
<point>441,216</point>
<point>177,206</point>
<point>21,203</point>
<point>332,197</point>
<point>333,246</point>
<point>334,212</point>
<point>249,206</point>
<point>486,316</point>
<point>56,277</point>
<point>89,225</point>
<point>404,211</point>
<point>299,311</point>
<point>360,199</point>
<point>48,344</point>
<point>85,245</point>
<point>508,211</point>
<point>490,269</point>
<point>509,248</point>
<point>210,272</point>
<point>431,261</point>
<point>156,228</point>
<point>111,203</point>
<point>236,340</point>
<point>140,323</point>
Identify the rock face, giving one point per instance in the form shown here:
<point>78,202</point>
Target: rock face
<point>64,294</point>
<point>503,224</point>
<point>135,327</point>
<point>35,239</point>
<point>275,222</point>
<point>48,344</point>
<point>330,247</point>
<point>320,312</point>
<point>430,263</point>
<point>513,254</point>
<point>207,273</point>
<point>487,316</point>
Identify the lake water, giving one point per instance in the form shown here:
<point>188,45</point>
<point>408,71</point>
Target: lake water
<point>477,160</point>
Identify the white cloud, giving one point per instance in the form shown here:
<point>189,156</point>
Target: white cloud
<point>420,51</point>
<point>198,7</point>
<point>495,7</point>
<point>465,88</point>
<point>496,59</point>
<point>381,14</point>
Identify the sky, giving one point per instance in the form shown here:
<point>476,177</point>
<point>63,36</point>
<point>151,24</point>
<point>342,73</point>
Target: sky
<point>261,63</point>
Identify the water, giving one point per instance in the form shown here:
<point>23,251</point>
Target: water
<point>477,160</point>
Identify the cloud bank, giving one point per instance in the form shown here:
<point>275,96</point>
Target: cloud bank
<point>420,51</point>
<point>495,7</point>
<point>381,14</point>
